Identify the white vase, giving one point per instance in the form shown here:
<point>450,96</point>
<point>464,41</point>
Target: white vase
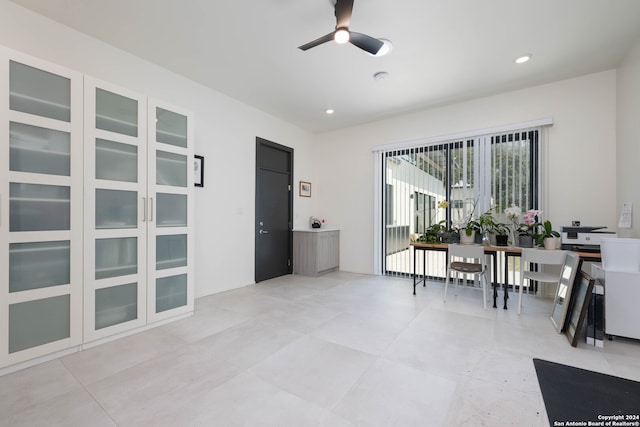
<point>550,242</point>
<point>467,240</point>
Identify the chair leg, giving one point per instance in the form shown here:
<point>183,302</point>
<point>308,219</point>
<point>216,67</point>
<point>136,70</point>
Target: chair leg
<point>520,294</point>
<point>446,285</point>
<point>484,290</point>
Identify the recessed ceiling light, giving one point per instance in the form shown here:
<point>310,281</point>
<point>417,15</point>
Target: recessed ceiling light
<point>380,75</point>
<point>329,111</point>
<point>522,59</point>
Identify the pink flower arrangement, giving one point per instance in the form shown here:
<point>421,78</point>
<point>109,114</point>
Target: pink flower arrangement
<point>531,217</point>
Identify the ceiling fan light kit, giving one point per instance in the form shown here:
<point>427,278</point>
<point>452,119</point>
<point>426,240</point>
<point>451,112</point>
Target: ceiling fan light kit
<point>342,34</point>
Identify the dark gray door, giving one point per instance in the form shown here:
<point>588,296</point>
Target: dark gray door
<point>274,210</point>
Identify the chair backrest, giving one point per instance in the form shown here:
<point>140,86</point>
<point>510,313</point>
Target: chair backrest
<point>466,251</point>
<point>544,256</point>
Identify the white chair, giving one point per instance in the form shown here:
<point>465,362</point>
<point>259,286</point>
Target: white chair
<point>543,258</point>
<point>467,259</point>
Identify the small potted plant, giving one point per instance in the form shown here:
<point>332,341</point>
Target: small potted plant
<point>487,226</point>
<point>547,236</point>
<point>502,234</point>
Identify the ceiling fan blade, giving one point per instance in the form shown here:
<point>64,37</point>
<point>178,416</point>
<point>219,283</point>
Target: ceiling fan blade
<point>317,41</point>
<point>365,42</point>
<point>343,13</point>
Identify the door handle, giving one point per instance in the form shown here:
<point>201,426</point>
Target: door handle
<point>264,232</point>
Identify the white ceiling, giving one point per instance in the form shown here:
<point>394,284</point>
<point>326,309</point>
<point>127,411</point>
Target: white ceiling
<point>443,50</point>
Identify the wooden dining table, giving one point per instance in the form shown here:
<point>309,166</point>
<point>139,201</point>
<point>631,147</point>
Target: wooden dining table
<point>491,250</point>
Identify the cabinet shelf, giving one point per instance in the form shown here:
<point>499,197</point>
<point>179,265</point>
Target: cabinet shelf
<point>120,152</point>
<point>109,124</point>
<point>19,97</point>
<point>172,134</point>
<point>39,150</point>
<point>38,200</point>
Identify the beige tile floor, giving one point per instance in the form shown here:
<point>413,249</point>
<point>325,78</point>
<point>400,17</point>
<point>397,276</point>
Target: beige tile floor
<point>338,350</point>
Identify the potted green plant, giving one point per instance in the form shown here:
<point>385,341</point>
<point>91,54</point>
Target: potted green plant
<point>468,231</point>
<point>502,234</point>
<point>432,233</point>
<point>547,235</point>
<point>487,226</point>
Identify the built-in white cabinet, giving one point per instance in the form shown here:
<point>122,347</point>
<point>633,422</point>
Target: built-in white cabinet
<point>116,210</point>
<point>41,180</point>
<point>170,242</point>
<point>96,209</point>
<point>316,251</point>
<point>138,209</point>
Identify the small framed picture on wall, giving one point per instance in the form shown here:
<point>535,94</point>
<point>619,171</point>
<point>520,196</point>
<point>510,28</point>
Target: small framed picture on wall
<point>305,189</point>
<point>198,171</point>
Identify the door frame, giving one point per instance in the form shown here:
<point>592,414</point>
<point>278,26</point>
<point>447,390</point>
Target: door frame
<point>259,143</point>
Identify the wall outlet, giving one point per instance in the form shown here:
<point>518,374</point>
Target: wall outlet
<point>575,223</point>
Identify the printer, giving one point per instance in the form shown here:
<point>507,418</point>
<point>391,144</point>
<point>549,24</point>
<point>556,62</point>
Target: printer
<point>584,239</point>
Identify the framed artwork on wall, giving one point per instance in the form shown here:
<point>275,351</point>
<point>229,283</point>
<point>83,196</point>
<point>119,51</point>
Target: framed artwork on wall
<point>305,189</point>
<point>198,170</point>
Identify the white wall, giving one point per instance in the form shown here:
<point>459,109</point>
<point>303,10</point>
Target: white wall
<point>581,155</point>
<point>225,132</point>
<point>628,127</point>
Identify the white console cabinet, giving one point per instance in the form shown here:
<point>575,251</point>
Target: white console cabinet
<point>316,251</point>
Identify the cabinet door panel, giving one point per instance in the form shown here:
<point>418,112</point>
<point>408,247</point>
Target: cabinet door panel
<point>38,322</point>
<point>38,92</point>
<point>116,161</point>
<point>170,184</point>
<point>171,128</point>
<point>116,257</point>
<point>35,207</point>
<point>171,251</point>
<point>41,218</point>
<point>116,113</point>
<point>171,169</point>
<point>39,150</point>
<point>172,210</point>
<point>39,265</point>
<point>171,292</point>
<point>116,209</point>
<point>116,304</point>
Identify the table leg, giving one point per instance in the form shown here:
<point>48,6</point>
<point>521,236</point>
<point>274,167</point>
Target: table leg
<point>414,270</point>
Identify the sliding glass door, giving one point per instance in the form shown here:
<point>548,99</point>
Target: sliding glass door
<point>448,183</point>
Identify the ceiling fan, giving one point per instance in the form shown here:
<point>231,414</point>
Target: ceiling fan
<point>342,34</point>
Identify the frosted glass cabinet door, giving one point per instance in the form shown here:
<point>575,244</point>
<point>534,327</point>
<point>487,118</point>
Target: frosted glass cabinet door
<point>34,207</point>
<point>116,257</point>
<point>39,150</point>
<point>171,169</point>
<point>116,113</point>
<point>38,92</point>
<point>171,292</point>
<point>39,265</point>
<point>41,195</point>
<point>116,304</point>
<point>172,210</point>
<point>38,322</point>
<point>171,251</point>
<point>171,234</point>
<point>116,209</point>
<point>116,161</point>
<point>171,128</point>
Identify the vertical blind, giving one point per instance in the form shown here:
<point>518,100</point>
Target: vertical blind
<point>473,175</point>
